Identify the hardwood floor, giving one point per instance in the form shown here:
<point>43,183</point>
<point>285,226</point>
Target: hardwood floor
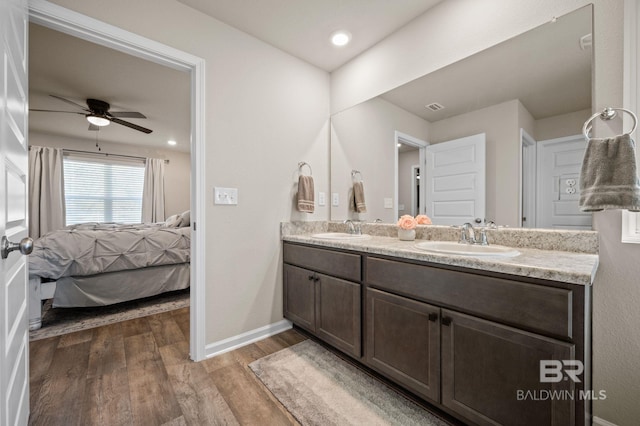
<point>138,372</point>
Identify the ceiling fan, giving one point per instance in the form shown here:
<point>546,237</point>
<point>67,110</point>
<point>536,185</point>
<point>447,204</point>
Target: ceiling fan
<point>98,114</point>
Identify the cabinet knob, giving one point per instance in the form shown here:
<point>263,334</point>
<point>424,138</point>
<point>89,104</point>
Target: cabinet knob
<point>433,317</point>
<point>316,279</point>
<point>310,277</point>
<point>446,321</point>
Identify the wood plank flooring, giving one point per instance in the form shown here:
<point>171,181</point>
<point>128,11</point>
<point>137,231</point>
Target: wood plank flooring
<point>138,372</point>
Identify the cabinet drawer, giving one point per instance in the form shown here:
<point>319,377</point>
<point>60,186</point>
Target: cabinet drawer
<point>534,307</point>
<point>337,264</point>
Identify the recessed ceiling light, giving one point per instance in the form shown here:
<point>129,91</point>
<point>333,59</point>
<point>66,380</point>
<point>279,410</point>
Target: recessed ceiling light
<point>172,143</point>
<point>340,38</point>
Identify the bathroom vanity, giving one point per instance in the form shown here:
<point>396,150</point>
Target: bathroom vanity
<point>465,334</point>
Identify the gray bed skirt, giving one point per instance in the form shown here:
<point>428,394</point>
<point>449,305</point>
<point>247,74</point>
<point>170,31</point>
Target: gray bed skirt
<point>120,286</point>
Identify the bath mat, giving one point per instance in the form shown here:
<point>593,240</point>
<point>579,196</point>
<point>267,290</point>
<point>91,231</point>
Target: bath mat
<point>59,321</point>
<point>319,388</point>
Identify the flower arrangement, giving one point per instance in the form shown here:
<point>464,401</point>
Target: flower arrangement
<point>423,219</point>
<point>407,222</point>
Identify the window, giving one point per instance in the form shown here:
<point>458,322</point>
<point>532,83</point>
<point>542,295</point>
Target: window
<point>102,190</point>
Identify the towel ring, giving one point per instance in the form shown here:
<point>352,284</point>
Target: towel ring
<point>354,173</point>
<point>608,114</point>
<point>302,164</point>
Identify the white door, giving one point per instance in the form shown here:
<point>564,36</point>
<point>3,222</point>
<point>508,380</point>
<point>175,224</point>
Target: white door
<point>14,342</point>
<point>455,181</point>
<point>558,178</point>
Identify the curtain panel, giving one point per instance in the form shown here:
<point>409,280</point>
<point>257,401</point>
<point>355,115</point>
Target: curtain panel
<point>153,191</point>
<point>46,190</point>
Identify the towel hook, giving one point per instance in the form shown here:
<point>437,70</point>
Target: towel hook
<point>302,164</point>
<point>354,173</point>
<point>607,114</point>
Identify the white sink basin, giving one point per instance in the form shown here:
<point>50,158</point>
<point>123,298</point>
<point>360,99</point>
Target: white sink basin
<point>339,236</point>
<point>452,247</point>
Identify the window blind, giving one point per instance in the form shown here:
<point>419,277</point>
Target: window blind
<point>102,190</point>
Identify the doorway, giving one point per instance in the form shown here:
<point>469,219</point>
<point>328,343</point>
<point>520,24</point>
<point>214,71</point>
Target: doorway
<point>60,19</point>
<point>410,155</point>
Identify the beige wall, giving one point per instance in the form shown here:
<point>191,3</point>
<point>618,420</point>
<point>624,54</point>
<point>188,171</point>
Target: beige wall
<point>435,40</point>
<point>500,124</point>
<point>560,126</point>
<point>363,138</point>
<point>177,171</point>
<point>265,112</point>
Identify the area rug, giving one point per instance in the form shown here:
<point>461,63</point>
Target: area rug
<point>59,321</point>
<point>319,388</point>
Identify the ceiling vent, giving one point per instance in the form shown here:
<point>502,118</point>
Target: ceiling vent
<point>434,106</point>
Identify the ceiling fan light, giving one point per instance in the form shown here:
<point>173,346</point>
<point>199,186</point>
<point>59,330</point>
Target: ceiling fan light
<point>97,120</point>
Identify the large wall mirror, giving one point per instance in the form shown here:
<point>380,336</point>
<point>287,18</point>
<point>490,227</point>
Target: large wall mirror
<point>496,136</point>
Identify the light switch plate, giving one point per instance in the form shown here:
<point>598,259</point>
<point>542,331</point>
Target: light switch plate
<point>225,196</point>
<point>388,203</point>
<point>335,199</point>
<point>322,199</point>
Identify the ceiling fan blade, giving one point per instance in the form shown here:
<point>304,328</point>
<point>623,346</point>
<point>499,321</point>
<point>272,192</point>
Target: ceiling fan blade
<point>93,127</point>
<point>126,114</point>
<point>131,125</point>
<point>52,110</point>
<point>71,103</point>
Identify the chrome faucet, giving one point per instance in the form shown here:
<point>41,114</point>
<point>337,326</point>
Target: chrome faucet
<point>354,227</point>
<point>467,234</point>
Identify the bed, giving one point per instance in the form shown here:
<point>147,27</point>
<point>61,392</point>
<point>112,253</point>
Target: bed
<point>97,264</point>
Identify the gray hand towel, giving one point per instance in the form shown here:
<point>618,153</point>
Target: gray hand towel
<point>609,178</point>
<point>306,202</point>
<point>359,206</point>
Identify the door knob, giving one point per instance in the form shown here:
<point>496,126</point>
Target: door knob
<point>25,246</point>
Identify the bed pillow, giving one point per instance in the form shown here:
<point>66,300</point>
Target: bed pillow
<point>173,221</point>
<point>186,219</point>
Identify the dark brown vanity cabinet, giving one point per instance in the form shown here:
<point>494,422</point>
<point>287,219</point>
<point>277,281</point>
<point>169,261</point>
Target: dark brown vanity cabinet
<point>490,373</point>
<point>469,342</point>
<point>324,304</point>
<point>403,341</point>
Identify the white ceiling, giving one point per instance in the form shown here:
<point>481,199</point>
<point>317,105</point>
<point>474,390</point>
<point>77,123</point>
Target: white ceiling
<point>303,27</point>
<point>77,70</point>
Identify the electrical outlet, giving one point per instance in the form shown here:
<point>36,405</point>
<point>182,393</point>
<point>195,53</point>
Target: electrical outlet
<point>322,199</point>
<point>335,199</point>
<point>388,203</point>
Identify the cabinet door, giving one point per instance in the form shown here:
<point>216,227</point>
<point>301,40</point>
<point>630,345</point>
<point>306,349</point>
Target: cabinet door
<point>299,297</point>
<point>338,313</point>
<point>488,368</point>
<point>403,341</point>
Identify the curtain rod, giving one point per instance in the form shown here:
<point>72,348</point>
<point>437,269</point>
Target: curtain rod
<point>108,155</point>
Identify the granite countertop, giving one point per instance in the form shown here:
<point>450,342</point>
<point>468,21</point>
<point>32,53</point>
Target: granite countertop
<point>563,266</point>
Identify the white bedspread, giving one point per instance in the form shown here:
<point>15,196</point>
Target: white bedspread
<point>94,248</point>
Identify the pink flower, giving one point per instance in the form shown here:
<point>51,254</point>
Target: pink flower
<point>407,222</point>
<point>423,219</point>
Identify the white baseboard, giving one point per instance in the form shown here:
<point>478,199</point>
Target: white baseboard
<point>235,342</point>
<point>597,421</point>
